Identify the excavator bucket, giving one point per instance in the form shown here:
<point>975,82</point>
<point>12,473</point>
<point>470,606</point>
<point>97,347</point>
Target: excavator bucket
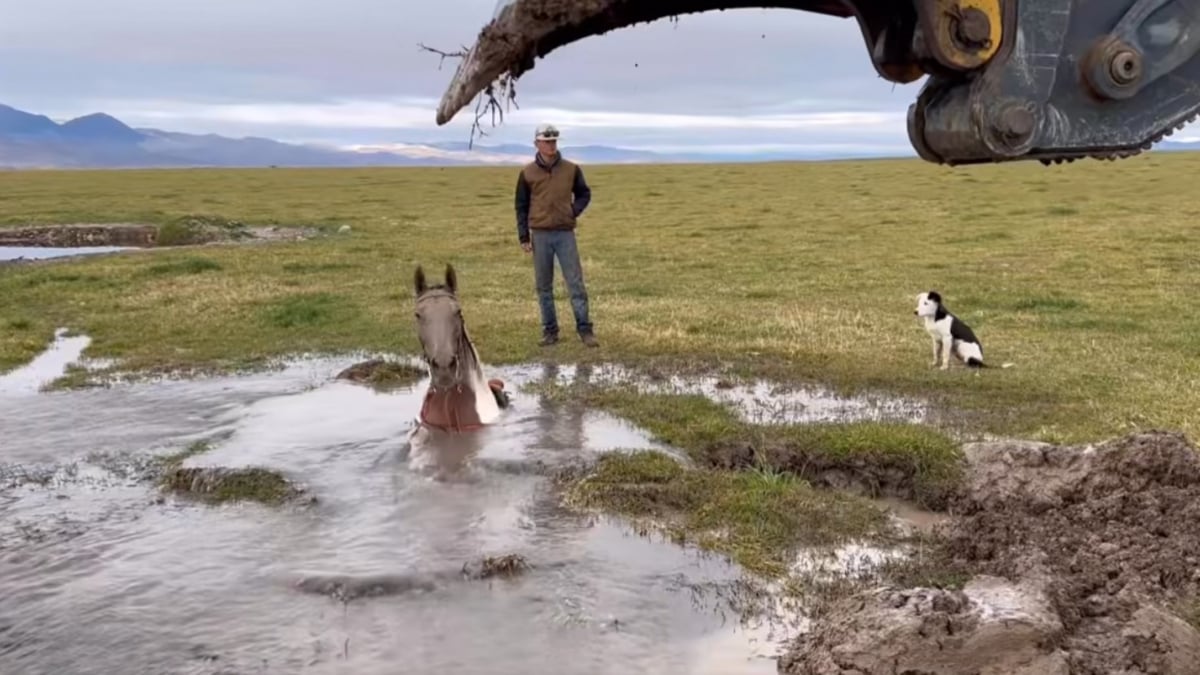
<point>523,30</point>
<point>1051,80</point>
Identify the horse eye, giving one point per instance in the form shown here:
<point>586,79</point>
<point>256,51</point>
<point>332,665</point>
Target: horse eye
<point>417,314</point>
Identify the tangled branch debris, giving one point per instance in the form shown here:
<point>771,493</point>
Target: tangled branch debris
<point>488,101</point>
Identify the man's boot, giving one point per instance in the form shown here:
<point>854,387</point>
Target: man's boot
<point>548,339</point>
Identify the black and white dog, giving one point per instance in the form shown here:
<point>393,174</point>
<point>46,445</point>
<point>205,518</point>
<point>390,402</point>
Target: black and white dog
<point>949,333</point>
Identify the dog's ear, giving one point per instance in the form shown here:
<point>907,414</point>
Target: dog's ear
<point>451,279</point>
<point>419,284</point>
<point>934,296</point>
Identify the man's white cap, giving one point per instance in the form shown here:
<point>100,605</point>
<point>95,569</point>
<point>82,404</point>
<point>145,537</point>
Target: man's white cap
<point>546,132</point>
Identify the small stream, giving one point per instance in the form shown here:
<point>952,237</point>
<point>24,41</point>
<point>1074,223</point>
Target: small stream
<point>100,575</point>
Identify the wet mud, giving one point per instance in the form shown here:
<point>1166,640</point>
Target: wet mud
<point>1086,560</point>
<point>80,235</point>
<point>879,476</point>
<point>523,30</point>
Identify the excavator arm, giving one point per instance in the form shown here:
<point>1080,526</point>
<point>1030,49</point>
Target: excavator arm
<point>1008,80</point>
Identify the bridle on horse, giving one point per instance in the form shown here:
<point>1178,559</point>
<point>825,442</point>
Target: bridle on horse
<point>449,412</point>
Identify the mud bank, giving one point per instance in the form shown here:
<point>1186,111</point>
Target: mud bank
<point>188,230</point>
<point>893,475</point>
<point>80,235</point>
<point>1085,560</point>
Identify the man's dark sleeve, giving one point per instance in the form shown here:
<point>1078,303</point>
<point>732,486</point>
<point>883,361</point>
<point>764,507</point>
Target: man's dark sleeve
<point>522,206</point>
<point>583,193</point>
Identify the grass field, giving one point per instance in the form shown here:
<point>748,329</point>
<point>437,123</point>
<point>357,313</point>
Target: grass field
<point>1085,276</point>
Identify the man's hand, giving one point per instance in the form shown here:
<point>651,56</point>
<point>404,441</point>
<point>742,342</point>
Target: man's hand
<point>527,246</point>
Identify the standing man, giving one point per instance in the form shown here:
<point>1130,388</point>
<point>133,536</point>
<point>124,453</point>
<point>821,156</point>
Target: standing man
<point>551,194</point>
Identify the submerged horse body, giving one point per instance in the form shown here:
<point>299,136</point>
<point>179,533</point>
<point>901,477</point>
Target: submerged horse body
<point>460,397</point>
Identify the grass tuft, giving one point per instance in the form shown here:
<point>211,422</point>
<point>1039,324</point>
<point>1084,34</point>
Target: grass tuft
<point>758,518</point>
<point>219,486</point>
<point>382,374</point>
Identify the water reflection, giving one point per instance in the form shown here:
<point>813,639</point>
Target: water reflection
<point>561,426</point>
<point>13,253</point>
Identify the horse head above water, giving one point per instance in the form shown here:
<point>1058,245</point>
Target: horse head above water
<point>459,397</point>
<point>442,331</point>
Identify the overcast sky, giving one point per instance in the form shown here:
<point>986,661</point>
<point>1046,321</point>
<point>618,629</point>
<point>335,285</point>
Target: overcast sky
<point>350,71</point>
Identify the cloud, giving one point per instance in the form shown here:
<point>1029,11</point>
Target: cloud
<point>365,122</point>
<point>417,114</point>
<point>351,72</point>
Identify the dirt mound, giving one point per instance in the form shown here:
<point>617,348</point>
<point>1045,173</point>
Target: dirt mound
<point>1108,534</point>
<point>219,484</point>
<point>183,231</point>
<point>345,587</point>
<point>382,374</point>
<point>83,235</point>
<point>1115,528</point>
<point>510,565</point>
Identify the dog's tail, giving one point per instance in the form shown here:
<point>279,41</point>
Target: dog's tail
<point>976,363</point>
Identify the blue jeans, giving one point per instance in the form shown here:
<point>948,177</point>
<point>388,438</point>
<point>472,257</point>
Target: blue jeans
<point>548,244</point>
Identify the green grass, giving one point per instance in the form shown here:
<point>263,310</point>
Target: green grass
<point>220,486</point>
<point>757,518</point>
<point>1083,275</point>
<point>915,461</point>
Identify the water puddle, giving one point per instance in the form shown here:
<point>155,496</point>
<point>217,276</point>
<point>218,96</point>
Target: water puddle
<point>911,517</point>
<point>17,253</point>
<point>65,350</point>
<point>102,575</point>
<point>768,403</point>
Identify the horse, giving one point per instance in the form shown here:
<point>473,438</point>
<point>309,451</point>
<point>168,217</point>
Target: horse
<point>460,401</point>
<point>459,398</point>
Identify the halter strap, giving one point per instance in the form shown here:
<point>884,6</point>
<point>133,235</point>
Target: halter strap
<point>450,412</point>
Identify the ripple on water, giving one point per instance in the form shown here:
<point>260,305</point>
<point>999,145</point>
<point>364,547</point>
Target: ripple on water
<point>117,582</point>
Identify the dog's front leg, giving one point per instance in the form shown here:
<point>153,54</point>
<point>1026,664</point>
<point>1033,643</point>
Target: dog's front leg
<point>936,344</point>
<point>947,349</point>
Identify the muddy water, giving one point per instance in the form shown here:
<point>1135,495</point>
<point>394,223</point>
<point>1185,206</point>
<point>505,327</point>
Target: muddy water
<point>762,402</point>
<point>100,576</point>
<point>8,253</point>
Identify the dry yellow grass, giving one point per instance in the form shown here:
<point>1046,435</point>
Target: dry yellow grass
<point>1085,275</point>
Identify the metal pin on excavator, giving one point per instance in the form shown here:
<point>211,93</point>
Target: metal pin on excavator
<point>1009,80</point>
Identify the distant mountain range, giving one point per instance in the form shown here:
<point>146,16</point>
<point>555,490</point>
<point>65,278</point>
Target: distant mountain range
<point>99,140</point>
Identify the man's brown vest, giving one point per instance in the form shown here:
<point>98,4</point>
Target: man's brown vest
<point>550,194</point>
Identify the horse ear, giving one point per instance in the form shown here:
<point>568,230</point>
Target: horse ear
<point>419,280</point>
<point>451,278</point>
